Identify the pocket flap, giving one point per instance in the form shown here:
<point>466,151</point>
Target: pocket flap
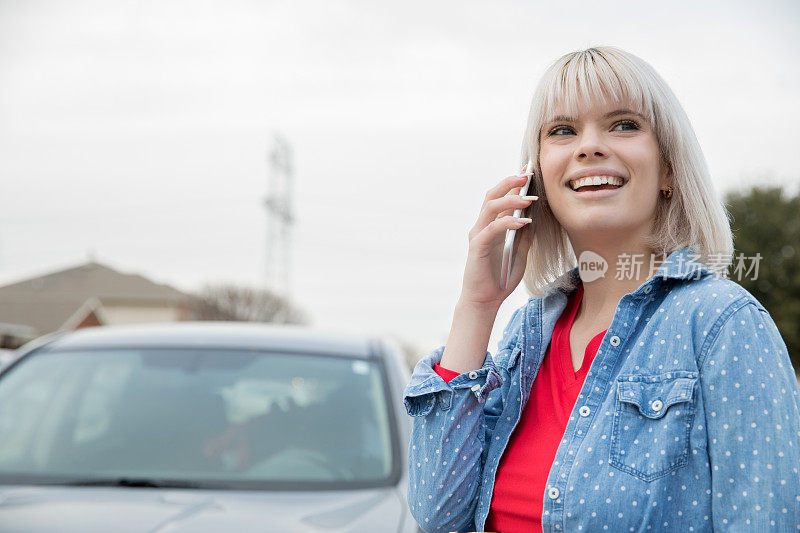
<point>653,395</point>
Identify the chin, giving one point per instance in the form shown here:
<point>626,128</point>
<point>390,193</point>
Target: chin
<point>609,229</point>
<point>606,222</point>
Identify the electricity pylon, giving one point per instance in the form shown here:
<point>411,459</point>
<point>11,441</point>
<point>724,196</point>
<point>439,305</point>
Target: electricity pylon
<point>280,217</point>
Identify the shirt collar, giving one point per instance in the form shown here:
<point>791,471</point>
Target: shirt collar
<point>683,264</point>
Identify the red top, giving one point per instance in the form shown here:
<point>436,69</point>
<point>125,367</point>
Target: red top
<point>519,488</point>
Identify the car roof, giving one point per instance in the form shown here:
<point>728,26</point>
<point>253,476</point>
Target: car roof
<point>226,335</point>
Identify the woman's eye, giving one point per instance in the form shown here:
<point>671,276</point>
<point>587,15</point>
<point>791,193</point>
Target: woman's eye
<point>627,123</point>
<point>558,128</point>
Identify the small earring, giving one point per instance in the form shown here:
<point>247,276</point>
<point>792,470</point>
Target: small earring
<point>666,193</point>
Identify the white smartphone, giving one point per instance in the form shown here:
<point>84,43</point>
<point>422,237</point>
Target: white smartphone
<point>508,247</point>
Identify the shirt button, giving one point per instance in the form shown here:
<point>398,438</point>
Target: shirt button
<point>614,341</point>
<point>553,493</point>
<point>648,289</point>
<point>473,375</point>
<point>657,405</point>
<point>584,411</point>
<point>476,388</point>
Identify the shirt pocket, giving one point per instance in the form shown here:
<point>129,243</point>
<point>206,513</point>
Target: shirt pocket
<point>653,419</point>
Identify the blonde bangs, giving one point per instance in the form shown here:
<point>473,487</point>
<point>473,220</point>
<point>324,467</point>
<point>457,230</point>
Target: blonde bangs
<point>583,78</point>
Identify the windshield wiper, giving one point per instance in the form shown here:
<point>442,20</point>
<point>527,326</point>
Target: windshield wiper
<point>132,482</point>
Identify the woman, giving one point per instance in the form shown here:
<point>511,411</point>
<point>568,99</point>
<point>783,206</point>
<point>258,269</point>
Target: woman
<point>638,390</point>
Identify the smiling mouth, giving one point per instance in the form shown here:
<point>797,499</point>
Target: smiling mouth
<point>596,183</point>
<point>587,188</point>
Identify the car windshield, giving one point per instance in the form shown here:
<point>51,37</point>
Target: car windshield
<point>237,418</point>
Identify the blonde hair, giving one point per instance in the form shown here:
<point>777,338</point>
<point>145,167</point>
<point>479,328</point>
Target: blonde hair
<point>693,216</point>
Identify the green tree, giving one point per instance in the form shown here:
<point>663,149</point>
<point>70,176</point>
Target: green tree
<point>765,221</point>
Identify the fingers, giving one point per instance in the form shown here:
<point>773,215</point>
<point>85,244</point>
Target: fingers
<point>513,192</point>
<point>501,207</point>
<point>484,237</point>
<point>505,185</point>
<point>501,200</point>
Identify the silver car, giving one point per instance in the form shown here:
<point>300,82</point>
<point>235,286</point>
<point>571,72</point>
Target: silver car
<point>218,427</point>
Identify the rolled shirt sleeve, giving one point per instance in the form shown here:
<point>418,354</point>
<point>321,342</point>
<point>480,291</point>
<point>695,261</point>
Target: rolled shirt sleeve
<point>752,416</point>
<point>427,386</point>
<point>448,436</point>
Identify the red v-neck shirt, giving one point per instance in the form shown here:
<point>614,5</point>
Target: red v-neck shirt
<point>525,464</point>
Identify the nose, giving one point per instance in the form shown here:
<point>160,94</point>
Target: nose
<point>590,145</point>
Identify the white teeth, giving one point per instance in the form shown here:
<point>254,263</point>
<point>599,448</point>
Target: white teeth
<point>596,180</point>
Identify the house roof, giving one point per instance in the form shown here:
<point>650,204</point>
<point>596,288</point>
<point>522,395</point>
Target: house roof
<point>47,302</point>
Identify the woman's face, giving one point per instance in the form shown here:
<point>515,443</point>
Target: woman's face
<point>602,141</point>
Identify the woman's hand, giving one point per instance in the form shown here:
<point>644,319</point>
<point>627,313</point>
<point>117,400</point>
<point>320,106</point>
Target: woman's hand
<point>481,284</point>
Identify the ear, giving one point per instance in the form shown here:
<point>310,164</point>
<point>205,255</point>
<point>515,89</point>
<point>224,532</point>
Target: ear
<point>667,176</point>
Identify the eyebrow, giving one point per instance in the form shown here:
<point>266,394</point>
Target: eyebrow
<point>616,112</point>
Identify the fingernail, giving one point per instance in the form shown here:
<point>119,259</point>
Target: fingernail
<point>531,197</point>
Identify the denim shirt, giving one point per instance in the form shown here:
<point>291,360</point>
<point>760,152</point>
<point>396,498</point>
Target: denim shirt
<point>688,420</point>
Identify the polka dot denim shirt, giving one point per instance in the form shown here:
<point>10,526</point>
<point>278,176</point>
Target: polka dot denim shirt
<point>689,418</point>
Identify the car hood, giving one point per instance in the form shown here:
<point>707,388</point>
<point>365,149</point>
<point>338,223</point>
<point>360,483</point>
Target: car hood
<point>35,509</point>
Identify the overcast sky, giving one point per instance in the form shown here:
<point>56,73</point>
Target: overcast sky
<point>139,130</point>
